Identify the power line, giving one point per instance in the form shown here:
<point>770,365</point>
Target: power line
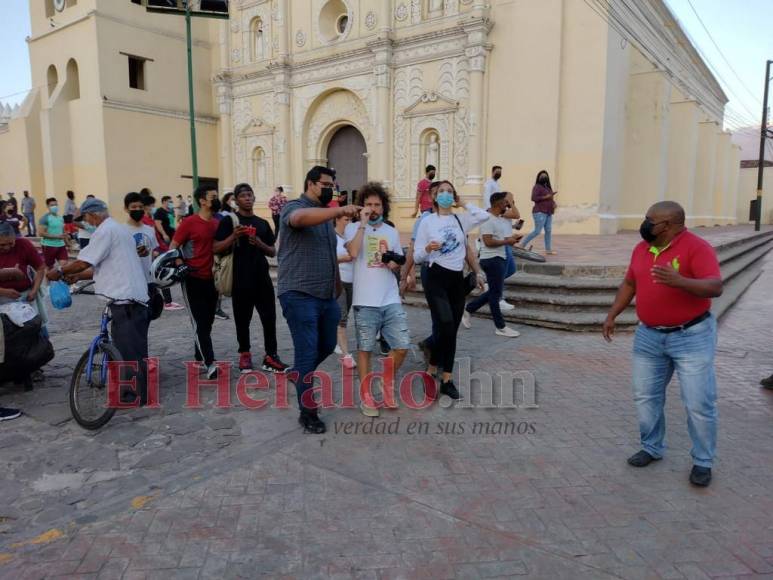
<point>719,50</point>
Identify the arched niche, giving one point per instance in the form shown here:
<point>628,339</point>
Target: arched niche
<point>72,86</point>
<point>257,39</point>
<point>52,80</point>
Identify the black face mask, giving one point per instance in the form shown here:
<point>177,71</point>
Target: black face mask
<point>543,181</point>
<point>215,205</point>
<point>646,231</point>
<point>325,196</point>
<point>431,177</point>
<point>497,176</point>
<point>136,214</point>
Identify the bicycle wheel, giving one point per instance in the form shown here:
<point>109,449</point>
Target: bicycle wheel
<point>528,255</point>
<point>88,400</point>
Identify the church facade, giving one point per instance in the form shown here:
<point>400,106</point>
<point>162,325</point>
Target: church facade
<point>378,89</point>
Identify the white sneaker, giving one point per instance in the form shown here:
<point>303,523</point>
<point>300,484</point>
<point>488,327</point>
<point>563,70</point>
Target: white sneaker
<point>369,411</point>
<point>338,350</point>
<point>504,306</point>
<point>466,319</point>
<point>508,332</point>
<point>349,362</point>
<point>212,372</point>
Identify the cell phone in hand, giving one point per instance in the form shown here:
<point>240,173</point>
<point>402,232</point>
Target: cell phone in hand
<point>518,224</point>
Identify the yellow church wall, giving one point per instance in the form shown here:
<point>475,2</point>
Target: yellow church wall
<point>153,151</point>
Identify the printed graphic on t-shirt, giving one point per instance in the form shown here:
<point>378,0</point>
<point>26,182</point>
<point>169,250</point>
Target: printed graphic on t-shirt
<point>375,247</point>
<point>449,239</point>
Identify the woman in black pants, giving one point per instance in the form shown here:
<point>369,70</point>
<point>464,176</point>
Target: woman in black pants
<point>441,243</point>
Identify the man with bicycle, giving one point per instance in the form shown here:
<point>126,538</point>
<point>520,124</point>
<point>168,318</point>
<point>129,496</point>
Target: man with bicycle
<point>111,260</point>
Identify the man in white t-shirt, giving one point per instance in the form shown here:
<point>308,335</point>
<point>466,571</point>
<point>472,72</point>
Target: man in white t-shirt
<point>111,259</point>
<point>377,255</point>
<point>491,186</point>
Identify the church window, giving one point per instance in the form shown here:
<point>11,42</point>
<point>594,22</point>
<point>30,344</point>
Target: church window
<point>137,73</point>
<point>334,20</point>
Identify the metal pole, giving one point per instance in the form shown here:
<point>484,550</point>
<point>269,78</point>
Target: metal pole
<point>192,111</point>
<point>763,136</point>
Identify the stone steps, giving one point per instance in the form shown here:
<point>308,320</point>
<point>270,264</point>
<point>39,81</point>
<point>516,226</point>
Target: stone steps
<point>578,297</point>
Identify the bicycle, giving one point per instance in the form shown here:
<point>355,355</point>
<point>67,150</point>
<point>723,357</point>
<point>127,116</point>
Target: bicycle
<point>90,376</point>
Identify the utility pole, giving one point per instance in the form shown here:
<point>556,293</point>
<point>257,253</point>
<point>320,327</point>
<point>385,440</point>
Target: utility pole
<point>763,137</point>
<point>184,8</point>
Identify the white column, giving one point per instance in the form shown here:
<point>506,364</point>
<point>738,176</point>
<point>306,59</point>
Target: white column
<point>476,52</point>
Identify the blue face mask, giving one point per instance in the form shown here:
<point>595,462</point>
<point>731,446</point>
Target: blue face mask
<point>445,199</point>
<point>54,209</point>
<point>89,228</point>
<point>376,221</point>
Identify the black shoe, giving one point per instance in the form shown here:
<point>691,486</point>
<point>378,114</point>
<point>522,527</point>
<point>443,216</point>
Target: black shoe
<point>8,414</point>
<point>642,459</point>
<point>767,383</point>
<point>700,476</point>
<point>449,390</point>
<point>219,314</point>
<point>311,423</point>
<point>128,398</point>
<point>384,347</point>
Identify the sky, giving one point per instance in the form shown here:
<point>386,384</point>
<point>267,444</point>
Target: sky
<point>738,58</point>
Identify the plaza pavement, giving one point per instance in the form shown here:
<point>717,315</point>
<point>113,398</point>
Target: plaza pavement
<point>216,493</point>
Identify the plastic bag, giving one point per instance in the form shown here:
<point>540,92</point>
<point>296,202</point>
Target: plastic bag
<point>19,313</point>
<point>60,295</point>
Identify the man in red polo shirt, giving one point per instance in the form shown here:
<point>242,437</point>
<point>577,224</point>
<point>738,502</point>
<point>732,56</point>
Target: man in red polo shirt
<point>195,236</point>
<point>674,274</point>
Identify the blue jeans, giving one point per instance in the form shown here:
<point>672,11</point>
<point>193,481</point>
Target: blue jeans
<point>510,269</point>
<point>313,326</point>
<point>690,353</point>
<point>541,221</point>
<point>495,274</point>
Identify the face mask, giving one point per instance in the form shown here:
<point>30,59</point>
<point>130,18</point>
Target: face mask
<point>646,231</point>
<point>326,195</point>
<point>233,205</point>
<point>445,199</point>
<point>91,229</point>
<point>54,209</point>
<point>137,214</point>
<point>431,177</point>
<point>497,176</point>
<point>170,205</point>
<point>215,205</point>
<point>377,221</point>
<point>543,180</point>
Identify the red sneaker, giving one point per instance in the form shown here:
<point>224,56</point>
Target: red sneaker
<point>273,364</point>
<point>245,363</point>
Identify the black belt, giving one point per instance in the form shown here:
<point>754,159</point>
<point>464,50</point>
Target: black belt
<point>685,326</point>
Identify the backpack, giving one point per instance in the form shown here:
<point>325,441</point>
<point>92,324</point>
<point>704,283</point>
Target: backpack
<point>223,270</point>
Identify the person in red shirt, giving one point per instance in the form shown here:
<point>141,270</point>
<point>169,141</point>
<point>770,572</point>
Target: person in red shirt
<point>18,259</point>
<point>195,237</point>
<point>423,198</point>
<point>674,274</point>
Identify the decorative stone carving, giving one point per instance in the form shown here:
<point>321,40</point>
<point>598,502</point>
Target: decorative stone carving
<point>335,109</point>
<point>234,26</point>
<point>451,7</point>
<point>401,13</point>
<point>371,20</point>
<point>415,11</point>
<point>435,6</point>
<point>432,156</point>
<point>300,38</point>
<point>236,55</point>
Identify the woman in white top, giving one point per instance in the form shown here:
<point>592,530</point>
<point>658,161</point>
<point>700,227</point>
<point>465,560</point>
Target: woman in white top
<point>441,242</point>
<point>346,269</point>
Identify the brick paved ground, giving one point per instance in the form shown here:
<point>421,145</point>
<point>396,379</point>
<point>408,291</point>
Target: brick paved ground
<point>240,494</point>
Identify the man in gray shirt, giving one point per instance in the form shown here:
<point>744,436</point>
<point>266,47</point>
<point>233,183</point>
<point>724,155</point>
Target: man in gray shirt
<point>308,283</point>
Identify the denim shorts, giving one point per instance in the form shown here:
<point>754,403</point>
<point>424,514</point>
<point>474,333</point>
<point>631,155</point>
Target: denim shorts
<point>390,320</point>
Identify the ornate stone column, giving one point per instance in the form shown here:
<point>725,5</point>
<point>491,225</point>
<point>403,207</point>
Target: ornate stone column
<point>283,122</point>
<point>476,51</point>
<point>382,74</point>
<point>222,83</point>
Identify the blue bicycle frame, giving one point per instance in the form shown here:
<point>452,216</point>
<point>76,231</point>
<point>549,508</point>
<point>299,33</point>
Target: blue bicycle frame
<point>102,338</point>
